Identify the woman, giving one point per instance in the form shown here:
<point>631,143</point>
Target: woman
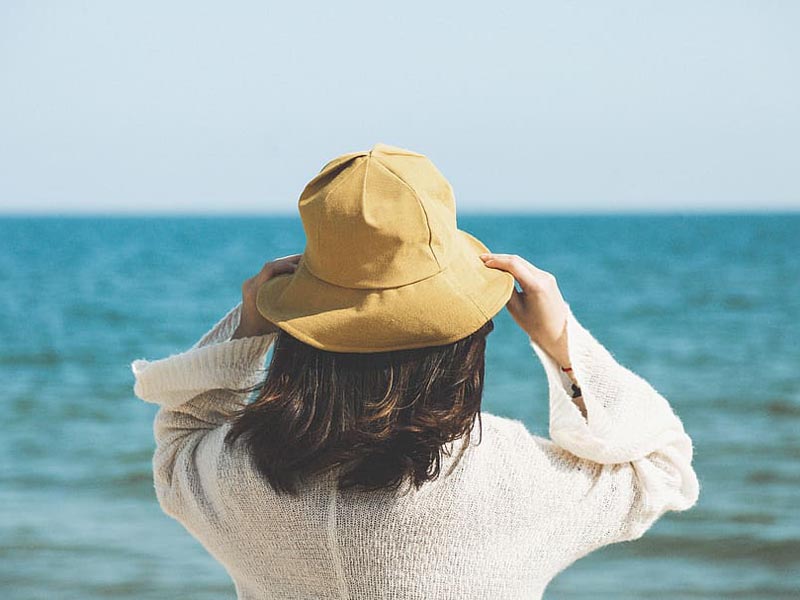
<point>379,330</point>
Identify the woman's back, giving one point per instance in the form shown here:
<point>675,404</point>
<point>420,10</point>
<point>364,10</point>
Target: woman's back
<point>457,536</point>
<point>515,510</point>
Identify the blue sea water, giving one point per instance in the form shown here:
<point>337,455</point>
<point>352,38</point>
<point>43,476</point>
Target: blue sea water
<point>705,307</point>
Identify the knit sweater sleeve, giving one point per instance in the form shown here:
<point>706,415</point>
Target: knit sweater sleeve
<point>620,468</point>
<point>196,390</point>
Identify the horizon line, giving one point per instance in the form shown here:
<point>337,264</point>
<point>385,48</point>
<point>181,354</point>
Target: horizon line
<point>460,213</point>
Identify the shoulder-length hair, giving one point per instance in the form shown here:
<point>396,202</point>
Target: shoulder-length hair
<point>383,417</point>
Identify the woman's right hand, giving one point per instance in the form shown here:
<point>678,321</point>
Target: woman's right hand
<point>251,322</point>
<point>539,309</point>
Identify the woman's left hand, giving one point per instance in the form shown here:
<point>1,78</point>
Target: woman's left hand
<point>251,322</point>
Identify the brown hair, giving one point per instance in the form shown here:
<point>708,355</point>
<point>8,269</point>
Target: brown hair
<point>383,417</point>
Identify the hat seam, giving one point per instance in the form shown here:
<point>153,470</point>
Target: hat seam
<point>331,190</point>
<point>421,205</point>
<point>371,289</point>
<point>341,181</point>
<point>447,267</point>
<point>464,292</point>
<point>342,160</point>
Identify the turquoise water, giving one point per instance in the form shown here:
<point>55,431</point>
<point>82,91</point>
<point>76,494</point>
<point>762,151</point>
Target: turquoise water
<point>707,308</point>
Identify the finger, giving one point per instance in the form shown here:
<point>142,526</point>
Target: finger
<point>523,271</point>
<point>490,255</point>
<point>281,268</point>
<point>290,257</point>
<point>513,259</point>
<point>270,266</point>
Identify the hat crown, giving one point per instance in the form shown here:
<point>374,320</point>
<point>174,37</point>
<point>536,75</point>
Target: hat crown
<point>378,219</point>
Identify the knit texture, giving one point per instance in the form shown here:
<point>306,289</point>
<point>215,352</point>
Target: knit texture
<point>500,523</point>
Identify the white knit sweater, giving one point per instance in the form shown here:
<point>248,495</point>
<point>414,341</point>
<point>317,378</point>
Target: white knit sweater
<point>515,511</point>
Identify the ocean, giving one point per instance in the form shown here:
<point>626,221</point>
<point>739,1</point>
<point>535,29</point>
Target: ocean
<point>705,307</point>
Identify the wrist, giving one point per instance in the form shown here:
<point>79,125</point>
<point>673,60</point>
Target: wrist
<point>242,332</point>
<point>253,328</point>
<point>252,323</point>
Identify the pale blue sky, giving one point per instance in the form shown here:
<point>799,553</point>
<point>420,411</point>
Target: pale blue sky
<point>524,106</point>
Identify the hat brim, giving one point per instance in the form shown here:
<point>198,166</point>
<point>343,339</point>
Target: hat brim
<point>438,310</point>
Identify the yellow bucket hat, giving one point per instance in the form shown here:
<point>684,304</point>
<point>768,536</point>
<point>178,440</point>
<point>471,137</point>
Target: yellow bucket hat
<point>385,266</point>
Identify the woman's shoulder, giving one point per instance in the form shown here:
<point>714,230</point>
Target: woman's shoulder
<point>506,435</point>
<point>500,424</point>
<point>512,437</point>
